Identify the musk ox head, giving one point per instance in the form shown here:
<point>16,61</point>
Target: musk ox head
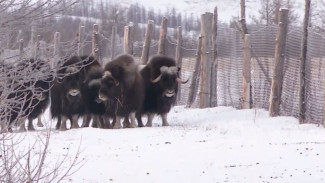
<point>168,80</point>
<point>70,79</point>
<point>109,87</point>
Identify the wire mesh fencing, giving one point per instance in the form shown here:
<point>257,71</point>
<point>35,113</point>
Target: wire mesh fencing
<point>229,65</point>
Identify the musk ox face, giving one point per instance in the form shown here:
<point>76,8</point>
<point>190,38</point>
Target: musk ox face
<point>168,81</point>
<point>93,82</point>
<point>71,83</point>
<point>109,87</point>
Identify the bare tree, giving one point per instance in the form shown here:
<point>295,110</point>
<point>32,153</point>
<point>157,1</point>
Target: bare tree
<point>269,12</point>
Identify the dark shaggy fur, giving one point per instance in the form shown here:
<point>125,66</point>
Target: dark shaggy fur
<point>156,100</point>
<point>31,96</point>
<point>66,93</point>
<point>123,87</point>
<point>95,107</point>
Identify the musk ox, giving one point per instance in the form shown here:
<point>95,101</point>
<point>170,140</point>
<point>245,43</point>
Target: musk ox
<point>66,94</point>
<point>122,87</point>
<point>161,79</point>
<point>95,107</point>
<point>28,93</point>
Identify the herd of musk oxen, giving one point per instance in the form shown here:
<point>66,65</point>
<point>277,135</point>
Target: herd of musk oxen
<point>80,87</point>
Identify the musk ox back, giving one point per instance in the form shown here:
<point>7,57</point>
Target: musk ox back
<point>66,93</point>
<point>122,87</point>
<point>161,78</point>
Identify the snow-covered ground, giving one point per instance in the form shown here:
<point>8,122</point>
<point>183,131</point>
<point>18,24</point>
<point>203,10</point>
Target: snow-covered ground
<point>212,145</point>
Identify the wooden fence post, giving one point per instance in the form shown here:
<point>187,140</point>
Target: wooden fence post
<point>214,68</point>
<point>162,37</point>
<point>113,42</point>
<point>127,41</point>
<point>206,60</point>
<point>178,59</point>
<point>81,37</point>
<point>21,48</point>
<point>303,55</point>
<point>246,97</point>
<point>195,76</point>
<point>57,49</point>
<point>243,18</point>
<point>33,35</point>
<point>37,47</point>
<point>95,43</point>
<point>277,78</point>
<point>147,42</point>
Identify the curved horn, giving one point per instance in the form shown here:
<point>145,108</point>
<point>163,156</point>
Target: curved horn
<point>71,69</point>
<point>107,74</point>
<point>180,81</point>
<point>116,82</point>
<point>157,79</point>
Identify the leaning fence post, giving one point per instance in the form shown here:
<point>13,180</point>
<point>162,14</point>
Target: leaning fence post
<point>95,43</point>
<point>303,55</point>
<point>113,42</point>
<point>162,37</point>
<point>147,42</point>
<point>246,97</point>
<point>178,58</point>
<point>37,47</point>
<point>277,78</point>
<point>21,48</point>
<point>81,40</point>
<point>206,60</point>
<point>127,41</point>
<point>195,76</point>
<point>214,68</point>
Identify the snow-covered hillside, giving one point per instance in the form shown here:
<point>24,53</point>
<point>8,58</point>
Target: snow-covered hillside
<point>226,8</point>
<point>219,144</point>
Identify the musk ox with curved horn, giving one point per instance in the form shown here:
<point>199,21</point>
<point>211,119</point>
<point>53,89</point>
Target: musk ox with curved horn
<point>122,87</point>
<point>66,93</point>
<point>161,78</point>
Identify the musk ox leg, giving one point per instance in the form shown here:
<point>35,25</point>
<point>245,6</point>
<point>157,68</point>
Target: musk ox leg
<point>30,126</point>
<point>63,126</point>
<point>39,121</point>
<point>117,123</point>
<point>133,124</point>
<point>150,118</point>
<point>58,123</point>
<point>164,119</point>
<point>21,124</point>
<point>86,120</point>
<point>106,121</point>
<point>98,121</point>
<point>126,122</point>
<point>139,119</point>
<point>74,121</point>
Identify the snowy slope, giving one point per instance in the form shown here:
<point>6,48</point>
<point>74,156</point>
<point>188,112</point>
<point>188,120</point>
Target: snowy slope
<point>226,8</point>
<point>219,144</point>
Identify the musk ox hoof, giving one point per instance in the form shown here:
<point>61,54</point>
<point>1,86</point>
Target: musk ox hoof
<point>117,126</point>
<point>74,126</point>
<point>140,125</point>
<point>165,124</point>
<point>62,128</point>
<point>31,128</point>
<point>40,124</point>
<point>149,125</point>
<point>22,129</point>
<point>128,125</point>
